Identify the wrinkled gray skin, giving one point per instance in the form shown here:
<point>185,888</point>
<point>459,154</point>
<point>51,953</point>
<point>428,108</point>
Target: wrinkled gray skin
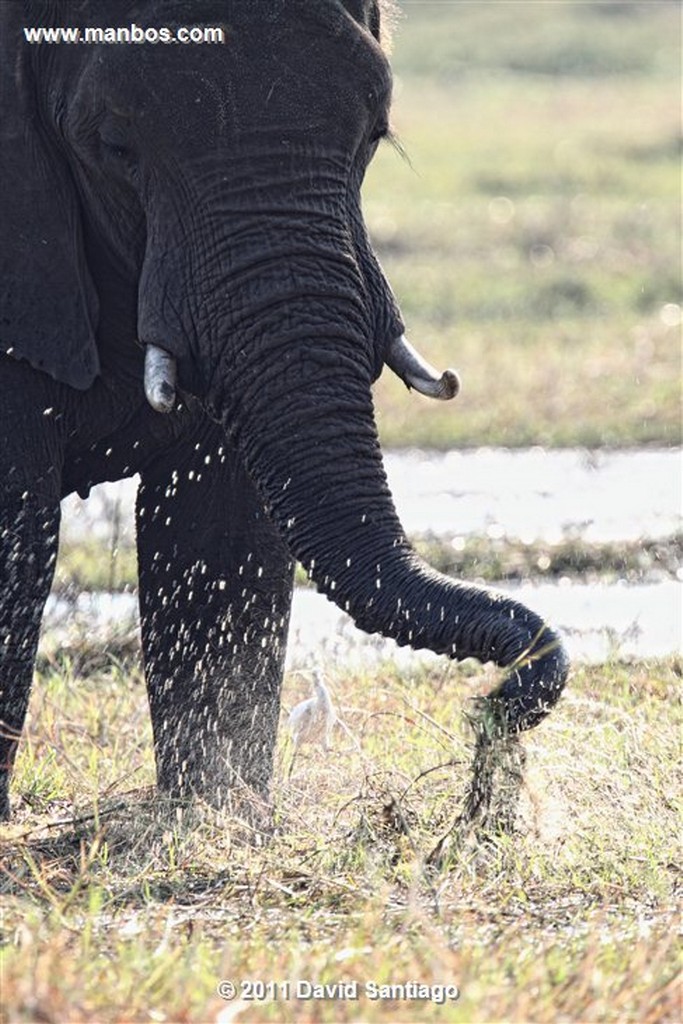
<point>206,199</point>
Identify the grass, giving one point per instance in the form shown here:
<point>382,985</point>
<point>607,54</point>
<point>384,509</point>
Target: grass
<point>89,563</point>
<point>116,909</point>
<point>84,564</point>
<point>492,559</point>
<point>594,40</point>
<point>533,238</point>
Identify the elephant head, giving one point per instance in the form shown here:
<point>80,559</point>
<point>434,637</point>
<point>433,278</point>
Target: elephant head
<point>222,182</point>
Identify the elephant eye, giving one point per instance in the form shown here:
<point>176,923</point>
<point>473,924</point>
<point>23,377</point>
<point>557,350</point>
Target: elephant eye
<point>118,149</point>
<point>119,157</point>
<point>120,152</point>
<point>114,139</point>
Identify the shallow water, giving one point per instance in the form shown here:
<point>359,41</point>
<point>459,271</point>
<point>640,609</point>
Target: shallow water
<point>529,495</point>
<point>539,495</point>
<point>596,621</point>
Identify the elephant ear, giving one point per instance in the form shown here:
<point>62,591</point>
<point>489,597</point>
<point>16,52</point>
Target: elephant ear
<point>48,303</point>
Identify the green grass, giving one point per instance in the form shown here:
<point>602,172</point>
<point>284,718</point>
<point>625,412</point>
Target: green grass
<point>83,565</point>
<point>89,563</point>
<point>533,238</point>
<point>490,560</point>
<point>116,909</point>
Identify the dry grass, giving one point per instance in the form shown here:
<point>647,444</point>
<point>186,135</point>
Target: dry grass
<point>117,908</point>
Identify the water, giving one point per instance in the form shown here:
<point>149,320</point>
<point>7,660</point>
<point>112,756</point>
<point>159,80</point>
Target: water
<point>530,495</point>
<point>597,622</point>
<point>539,495</point>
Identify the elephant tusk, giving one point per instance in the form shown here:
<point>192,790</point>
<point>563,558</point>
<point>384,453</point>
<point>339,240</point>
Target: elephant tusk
<point>416,372</point>
<point>160,378</point>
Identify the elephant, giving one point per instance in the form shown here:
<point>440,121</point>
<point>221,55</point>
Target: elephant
<point>188,293</point>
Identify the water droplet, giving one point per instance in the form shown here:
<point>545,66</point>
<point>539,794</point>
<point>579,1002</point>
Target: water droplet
<point>501,210</point>
<point>671,314</point>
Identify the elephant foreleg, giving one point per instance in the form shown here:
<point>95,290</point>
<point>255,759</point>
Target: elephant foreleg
<point>28,550</point>
<point>215,594</point>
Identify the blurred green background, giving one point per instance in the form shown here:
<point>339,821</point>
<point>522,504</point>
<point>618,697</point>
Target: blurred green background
<point>532,231</point>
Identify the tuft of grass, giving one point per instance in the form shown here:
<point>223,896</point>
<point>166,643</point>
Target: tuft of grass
<point>116,906</point>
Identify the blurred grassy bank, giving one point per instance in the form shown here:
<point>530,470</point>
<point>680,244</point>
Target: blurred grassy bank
<point>532,236</point>
<point>86,565</point>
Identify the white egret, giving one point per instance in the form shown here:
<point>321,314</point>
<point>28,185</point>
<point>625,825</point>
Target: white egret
<point>313,720</point>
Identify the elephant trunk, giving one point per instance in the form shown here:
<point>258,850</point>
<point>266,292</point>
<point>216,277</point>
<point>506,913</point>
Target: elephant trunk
<point>284,361</point>
<point>314,452</point>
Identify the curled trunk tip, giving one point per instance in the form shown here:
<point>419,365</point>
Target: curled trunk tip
<point>533,685</point>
